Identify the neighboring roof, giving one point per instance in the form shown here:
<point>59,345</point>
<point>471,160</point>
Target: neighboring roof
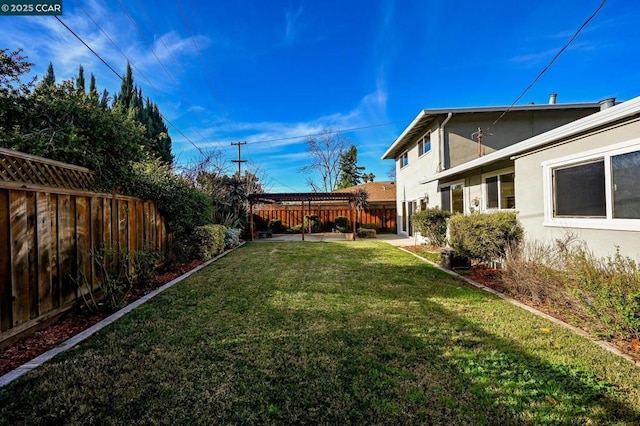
<point>615,113</point>
<point>378,191</point>
<point>300,196</point>
<point>425,118</point>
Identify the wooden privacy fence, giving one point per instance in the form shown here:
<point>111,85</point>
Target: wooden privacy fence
<point>384,217</point>
<point>48,234</point>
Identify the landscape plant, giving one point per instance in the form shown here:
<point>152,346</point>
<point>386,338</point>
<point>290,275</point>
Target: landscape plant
<point>600,293</point>
<point>432,224</point>
<point>484,236</point>
<point>208,241</point>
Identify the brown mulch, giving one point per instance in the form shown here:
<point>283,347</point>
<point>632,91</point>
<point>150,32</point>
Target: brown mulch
<point>72,323</point>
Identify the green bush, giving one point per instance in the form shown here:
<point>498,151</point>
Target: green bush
<point>208,241</point>
<point>369,226</point>
<point>315,223</point>
<point>342,223</point>
<point>366,233</point>
<point>275,225</point>
<point>432,224</point>
<point>296,229</point>
<point>484,237</point>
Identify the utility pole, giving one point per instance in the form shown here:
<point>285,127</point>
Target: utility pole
<point>239,160</point>
<point>479,134</point>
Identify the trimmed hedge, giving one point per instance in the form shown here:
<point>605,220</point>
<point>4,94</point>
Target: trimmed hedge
<point>342,224</point>
<point>208,241</point>
<point>483,236</point>
<point>366,233</point>
<point>432,224</point>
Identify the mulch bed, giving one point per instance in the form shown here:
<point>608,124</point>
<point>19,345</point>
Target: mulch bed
<point>72,323</point>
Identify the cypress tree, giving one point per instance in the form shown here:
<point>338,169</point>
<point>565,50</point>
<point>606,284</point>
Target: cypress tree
<point>80,80</point>
<point>49,77</point>
<point>93,90</point>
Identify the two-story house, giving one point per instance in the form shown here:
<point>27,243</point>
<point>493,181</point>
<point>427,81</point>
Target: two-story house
<point>441,139</point>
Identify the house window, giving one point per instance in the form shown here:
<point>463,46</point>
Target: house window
<point>424,144</point>
<point>625,170</point>
<point>579,190</point>
<point>597,189</point>
<point>453,198</point>
<point>404,160</point>
<point>500,191</point>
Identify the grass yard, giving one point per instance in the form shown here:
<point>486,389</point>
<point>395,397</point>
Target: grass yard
<point>328,333</point>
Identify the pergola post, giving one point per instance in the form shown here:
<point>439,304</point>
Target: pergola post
<point>302,220</point>
<point>353,217</point>
<point>251,219</point>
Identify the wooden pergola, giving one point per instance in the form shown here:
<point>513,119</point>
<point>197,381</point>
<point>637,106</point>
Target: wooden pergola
<point>303,197</point>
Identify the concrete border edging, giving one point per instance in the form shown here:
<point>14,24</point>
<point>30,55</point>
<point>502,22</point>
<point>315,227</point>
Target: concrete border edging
<point>603,344</point>
<point>74,340</point>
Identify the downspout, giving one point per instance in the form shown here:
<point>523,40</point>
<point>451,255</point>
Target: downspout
<point>441,148</point>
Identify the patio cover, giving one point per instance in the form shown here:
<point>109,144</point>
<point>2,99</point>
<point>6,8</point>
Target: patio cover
<point>302,197</point>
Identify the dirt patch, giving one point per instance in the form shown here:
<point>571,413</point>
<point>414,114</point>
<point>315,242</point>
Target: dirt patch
<point>73,322</point>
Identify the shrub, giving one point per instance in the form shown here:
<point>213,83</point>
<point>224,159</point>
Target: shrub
<point>276,226</point>
<point>208,241</point>
<point>366,233</point>
<point>484,237</point>
<point>342,223</point>
<point>603,293</point>
<point>369,226</point>
<point>315,223</point>
<point>296,229</point>
<point>432,224</point>
<point>232,238</point>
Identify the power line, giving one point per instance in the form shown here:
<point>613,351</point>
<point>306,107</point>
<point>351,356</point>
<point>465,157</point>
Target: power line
<point>122,78</point>
<point>535,80</point>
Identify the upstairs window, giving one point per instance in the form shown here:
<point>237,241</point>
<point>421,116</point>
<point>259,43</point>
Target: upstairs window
<point>424,144</point>
<point>404,160</point>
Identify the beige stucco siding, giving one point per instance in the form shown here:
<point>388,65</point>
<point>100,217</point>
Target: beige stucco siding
<point>530,193</point>
<point>517,126</point>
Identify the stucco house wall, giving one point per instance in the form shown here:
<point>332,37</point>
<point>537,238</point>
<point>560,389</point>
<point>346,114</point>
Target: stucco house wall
<point>532,187</point>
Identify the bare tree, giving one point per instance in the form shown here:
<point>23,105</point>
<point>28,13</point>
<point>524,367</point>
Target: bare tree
<point>325,151</point>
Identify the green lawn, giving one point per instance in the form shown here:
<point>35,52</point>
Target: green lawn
<point>328,333</point>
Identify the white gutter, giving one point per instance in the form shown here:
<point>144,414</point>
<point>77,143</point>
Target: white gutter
<point>618,112</point>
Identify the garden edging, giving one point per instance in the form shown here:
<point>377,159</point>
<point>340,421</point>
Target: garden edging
<point>603,344</point>
<point>73,341</point>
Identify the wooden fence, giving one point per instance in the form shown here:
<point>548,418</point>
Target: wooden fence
<point>384,217</point>
<point>47,237</point>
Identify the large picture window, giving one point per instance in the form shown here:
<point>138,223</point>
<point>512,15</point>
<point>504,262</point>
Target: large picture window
<point>597,189</point>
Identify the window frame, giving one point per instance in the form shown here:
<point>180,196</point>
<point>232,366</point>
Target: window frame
<point>403,159</point>
<point>450,185</point>
<point>421,144</point>
<point>607,222</point>
<point>485,189</point>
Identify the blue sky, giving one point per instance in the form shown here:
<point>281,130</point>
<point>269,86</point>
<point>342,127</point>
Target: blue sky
<point>271,72</point>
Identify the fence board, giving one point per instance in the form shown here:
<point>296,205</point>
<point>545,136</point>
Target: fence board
<point>66,248</point>
<point>5,262</point>
<point>43,251</point>
<point>54,265</point>
<point>19,257</point>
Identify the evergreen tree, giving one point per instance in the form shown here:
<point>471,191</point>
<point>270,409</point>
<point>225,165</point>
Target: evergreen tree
<point>93,90</point>
<point>50,77</point>
<point>350,173</point>
<point>123,99</point>
<point>80,80</point>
